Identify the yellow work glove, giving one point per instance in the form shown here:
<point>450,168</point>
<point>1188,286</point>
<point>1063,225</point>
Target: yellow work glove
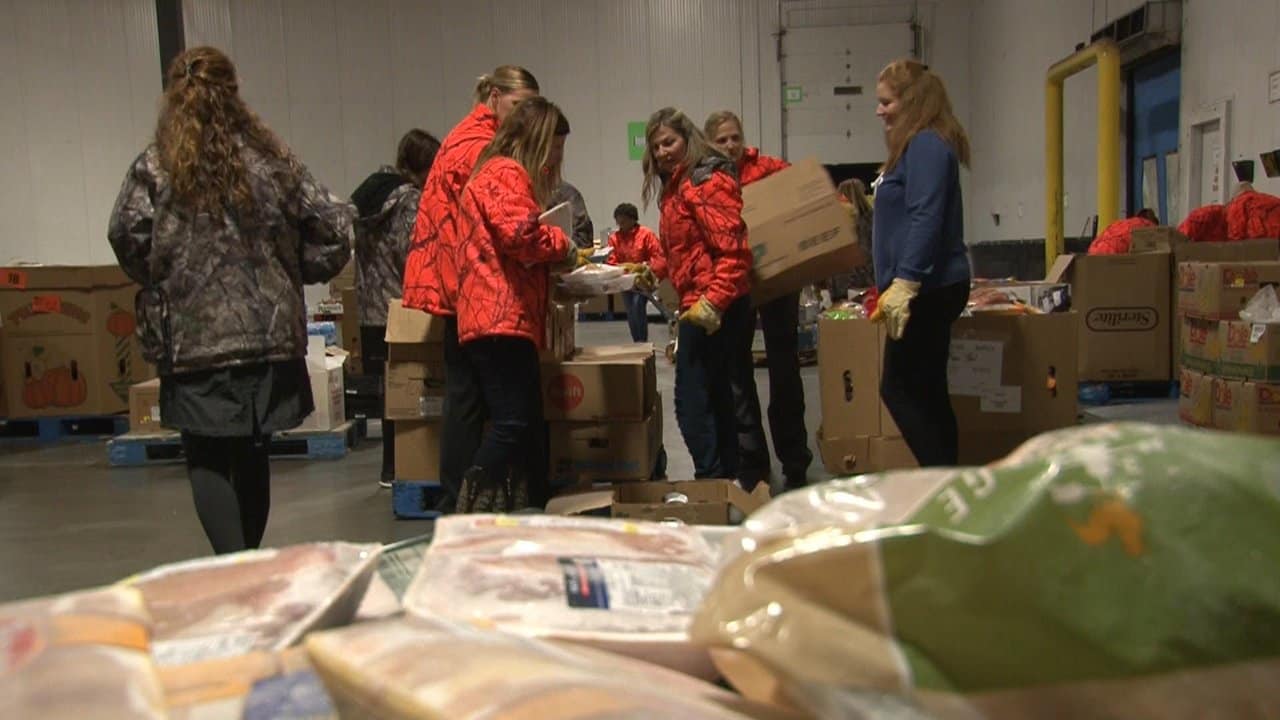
<point>704,315</point>
<point>894,307</point>
<point>583,257</point>
<point>645,280</point>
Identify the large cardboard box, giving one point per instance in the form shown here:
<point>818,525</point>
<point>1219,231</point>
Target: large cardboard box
<point>799,231</point>
<point>850,354</point>
<point>418,450</point>
<point>844,455</point>
<point>1201,343</point>
<point>144,406</point>
<point>1261,408</point>
<point>1124,311</point>
<point>1229,408</point>
<point>891,453</point>
<point>583,453</point>
<point>614,382</point>
<point>344,280</point>
<point>1250,350</point>
<point>69,342</point>
<point>1011,377</point>
<point>1195,398</point>
<point>415,375</point>
<point>327,387</point>
<point>1220,290</point>
<point>692,502</point>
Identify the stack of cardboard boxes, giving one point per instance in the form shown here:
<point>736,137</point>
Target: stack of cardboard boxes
<point>1011,375</point>
<point>1230,368</point>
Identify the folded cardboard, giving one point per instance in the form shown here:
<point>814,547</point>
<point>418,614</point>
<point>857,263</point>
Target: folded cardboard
<point>1220,291</point>
<point>70,346</point>
<point>1201,345</point>
<point>415,373</point>
<point>583,453</point>
<point>417,450</point>
<point>799,231</point>
<point>850,353</point>
<point>693,502</point>
<point>144,406</point>
<point>1011,377</point>
<point>1125,315</point>
<point>349,330</point>
<point>328,391</point>
<point>1250,350</point>
<point>614,382</point>
<point>1195,398</point>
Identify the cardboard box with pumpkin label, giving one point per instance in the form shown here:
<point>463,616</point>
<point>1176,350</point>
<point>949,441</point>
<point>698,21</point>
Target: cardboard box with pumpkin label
<point>614,382</point>
<point>70,347</point>
<point>1195,398</point>
<point>1219,291</point>
<point>1250,350</point>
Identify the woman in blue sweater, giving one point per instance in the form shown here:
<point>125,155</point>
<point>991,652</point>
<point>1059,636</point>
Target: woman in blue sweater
<point>922,265</point>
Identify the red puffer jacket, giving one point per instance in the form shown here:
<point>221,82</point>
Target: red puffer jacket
<point>704,235</point>
<point>753,166</point>
<point>503,256</point>
<point>1118,236</point>
<point>638,245</point>
<point>431,275</point>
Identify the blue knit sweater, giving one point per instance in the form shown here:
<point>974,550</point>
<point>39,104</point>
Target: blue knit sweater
<point>919,218</point>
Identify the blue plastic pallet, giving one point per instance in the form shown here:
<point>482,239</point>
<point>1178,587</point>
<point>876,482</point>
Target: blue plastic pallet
<point>1095,393</point>
<point>51,429</point>
<point>134,449</point>
<point>415,500</point>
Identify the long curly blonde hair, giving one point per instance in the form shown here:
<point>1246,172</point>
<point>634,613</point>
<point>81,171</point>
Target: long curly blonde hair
<point>203,126</point>
<point>924,105</point>
<point>526,137</point>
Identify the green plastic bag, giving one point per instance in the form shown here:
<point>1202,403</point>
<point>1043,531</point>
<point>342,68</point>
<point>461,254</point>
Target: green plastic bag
<point>1108,571</point>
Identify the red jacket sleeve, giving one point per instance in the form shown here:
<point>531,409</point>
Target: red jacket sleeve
<point>717,208</point>
<point>504,196</point>
<point>770,164</point>
<point>613,256</point>
<point>654,252</point>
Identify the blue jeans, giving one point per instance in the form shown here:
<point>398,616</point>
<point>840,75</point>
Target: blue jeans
<point>637,315</point>
<point>705,368</point>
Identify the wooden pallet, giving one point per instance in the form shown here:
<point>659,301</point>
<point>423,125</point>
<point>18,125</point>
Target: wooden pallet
<point>134,449</point>
<point>52,429</point>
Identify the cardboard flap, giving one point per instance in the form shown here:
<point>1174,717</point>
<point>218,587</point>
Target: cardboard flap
<point>1058,272</point>
<point>615,353</point>
<point>408,326</point>
<point>66,277</point>
<point>580,503</point>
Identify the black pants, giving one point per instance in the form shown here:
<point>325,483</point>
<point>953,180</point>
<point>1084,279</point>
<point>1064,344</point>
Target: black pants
<point>637,315</point>
<point>705,410</point>
<point>373,343</point>
<point>914,381</point>
<point>231,485</point>
<point>508,372</point>
<point>464,414</point>
<point>779,321</point>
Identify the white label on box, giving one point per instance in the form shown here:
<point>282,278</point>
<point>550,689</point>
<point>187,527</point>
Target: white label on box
<point>975,366</point>
<point>431,407</point>
<point>1003,399</point>
<point>155,413</point>
<point>1256,333</point>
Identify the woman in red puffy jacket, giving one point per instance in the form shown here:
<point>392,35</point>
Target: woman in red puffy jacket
<point>709,263</point>
<point>639,250</point>
<point>431,277</point>
<point>504,255</point>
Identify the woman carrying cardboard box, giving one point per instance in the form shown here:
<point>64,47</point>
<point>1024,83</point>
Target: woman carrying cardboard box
<point>504,258</point>
<point>921,262</point>
<point>709,263</point>
<point>222,226</point>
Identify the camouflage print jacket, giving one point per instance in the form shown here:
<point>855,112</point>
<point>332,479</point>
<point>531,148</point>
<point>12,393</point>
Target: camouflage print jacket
<point>382,246</point>
<point>219,292</point>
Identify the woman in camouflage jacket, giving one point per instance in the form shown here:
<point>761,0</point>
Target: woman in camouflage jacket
<point>222,226</point>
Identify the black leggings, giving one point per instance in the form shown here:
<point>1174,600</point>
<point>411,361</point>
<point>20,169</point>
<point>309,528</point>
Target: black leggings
<point>231,486</point>
<point>914,382</point>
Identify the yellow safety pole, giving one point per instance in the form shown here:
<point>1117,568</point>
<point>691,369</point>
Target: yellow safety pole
<point>1106,55</point>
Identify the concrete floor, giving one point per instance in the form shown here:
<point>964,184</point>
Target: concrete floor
<point>69,521</point>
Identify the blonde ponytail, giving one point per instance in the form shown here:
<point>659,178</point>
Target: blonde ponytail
<point>504,79</point>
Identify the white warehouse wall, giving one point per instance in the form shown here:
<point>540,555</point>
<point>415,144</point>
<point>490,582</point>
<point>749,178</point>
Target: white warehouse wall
<point>80,82</point>
<point>341,81</point>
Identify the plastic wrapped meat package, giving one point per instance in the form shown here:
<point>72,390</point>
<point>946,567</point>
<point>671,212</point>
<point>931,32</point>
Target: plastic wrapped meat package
<point>78,656</point>
<point>255,686</point>
<point>1106,571</point>
<point>597,279</point>
<point>414,669</point>
<point>625,587</point>
<point>262,600</point>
